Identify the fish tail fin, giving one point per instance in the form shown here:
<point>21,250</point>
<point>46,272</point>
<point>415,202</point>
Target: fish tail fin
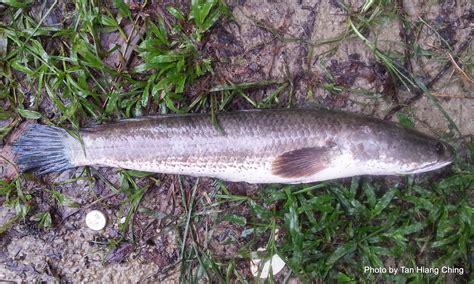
<point>43,149</point>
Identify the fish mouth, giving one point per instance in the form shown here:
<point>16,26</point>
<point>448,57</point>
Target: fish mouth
<point>432,166</point>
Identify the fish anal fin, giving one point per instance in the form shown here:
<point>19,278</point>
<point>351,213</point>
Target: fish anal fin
<point>301,162</point>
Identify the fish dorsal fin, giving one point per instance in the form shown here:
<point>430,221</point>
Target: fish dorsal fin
<point>301,162</point>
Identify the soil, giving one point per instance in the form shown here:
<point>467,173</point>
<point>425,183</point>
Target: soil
<point>265,40</point>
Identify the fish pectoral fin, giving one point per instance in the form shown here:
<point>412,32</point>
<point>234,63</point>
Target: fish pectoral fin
<point>301,162</point>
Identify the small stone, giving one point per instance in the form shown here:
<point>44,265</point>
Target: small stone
<point>96,220</point>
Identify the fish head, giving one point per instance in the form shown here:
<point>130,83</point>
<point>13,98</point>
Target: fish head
<point>390,149</point>
<point>420,153</point>
<point>432,156</point>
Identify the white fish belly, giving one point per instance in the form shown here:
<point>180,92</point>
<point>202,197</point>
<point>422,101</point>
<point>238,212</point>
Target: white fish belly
<point>257,171</point>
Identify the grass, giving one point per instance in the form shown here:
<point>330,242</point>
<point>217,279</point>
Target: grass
<point>326,231</point>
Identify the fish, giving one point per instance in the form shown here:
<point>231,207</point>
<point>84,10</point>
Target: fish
<point>288,146</point>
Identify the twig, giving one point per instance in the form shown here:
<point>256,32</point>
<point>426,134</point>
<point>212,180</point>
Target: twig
<point>459,69</point>
<point>441,95</point>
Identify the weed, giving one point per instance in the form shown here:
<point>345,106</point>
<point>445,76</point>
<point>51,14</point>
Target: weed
<point>43,219</point>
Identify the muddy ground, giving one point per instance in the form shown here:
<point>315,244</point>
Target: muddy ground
<point>284,41</point>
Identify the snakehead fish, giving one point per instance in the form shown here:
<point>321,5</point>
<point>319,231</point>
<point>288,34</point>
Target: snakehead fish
<point>263,146</point>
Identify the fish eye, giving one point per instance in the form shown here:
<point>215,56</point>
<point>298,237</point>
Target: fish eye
<point>439,148</point>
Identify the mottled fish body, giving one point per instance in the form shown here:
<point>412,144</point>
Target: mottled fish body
<point>266,146</point>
